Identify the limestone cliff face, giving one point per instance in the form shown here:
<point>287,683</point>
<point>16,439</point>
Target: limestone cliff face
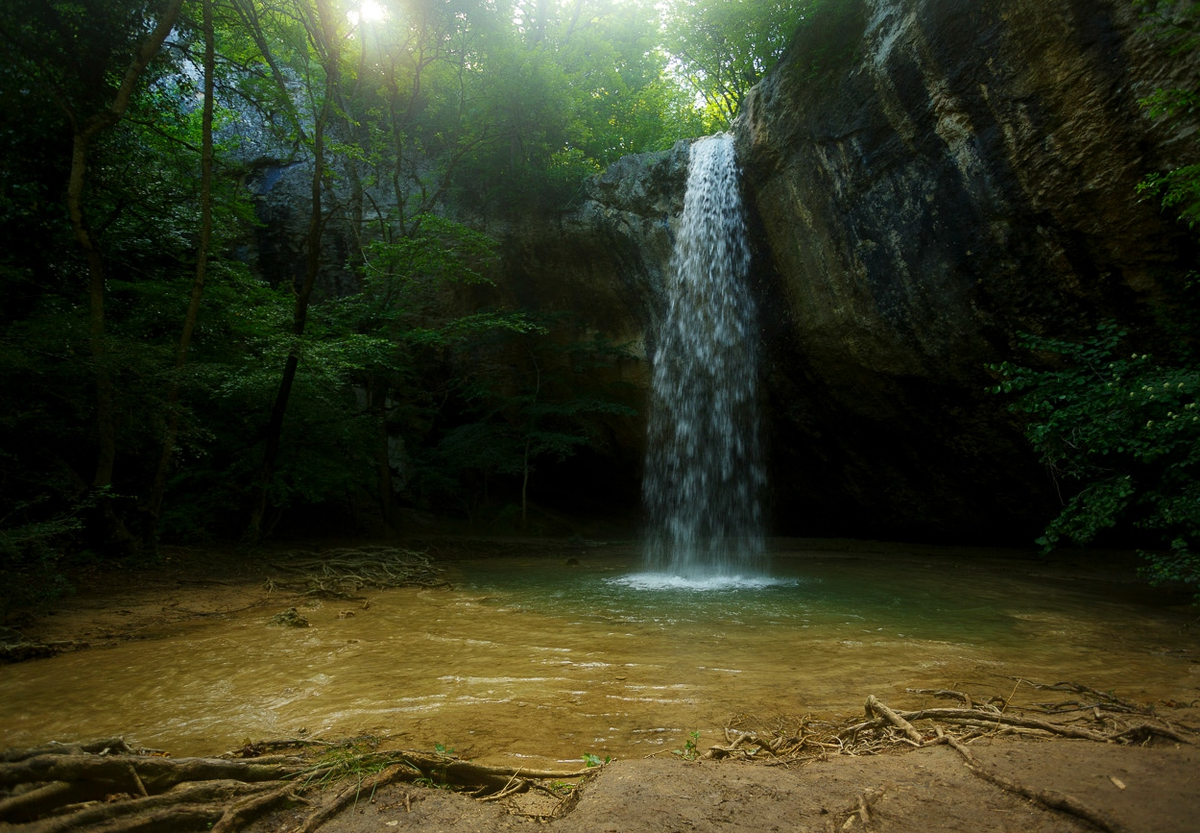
<point>931,179</point>
<point>603,261</point>
<point>599,269</point>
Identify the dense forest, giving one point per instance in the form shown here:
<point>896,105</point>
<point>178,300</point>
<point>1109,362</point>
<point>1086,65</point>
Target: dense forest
<point>162,383</point>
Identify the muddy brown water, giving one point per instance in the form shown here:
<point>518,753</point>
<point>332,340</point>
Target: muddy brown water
<point>537,659</point>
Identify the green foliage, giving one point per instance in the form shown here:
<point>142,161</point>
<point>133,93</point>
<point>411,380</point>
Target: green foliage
<point>439,109</point>
<point>437,778</point>
<point>568,90</point>
<point>355,758</point>
<point>518,421</point>
<point>590,760</point>
<point>722,48</point>
<point>691,749</point>
<point>1178,189</point>
<point>35,552</point>
<point>1120,431</point>
<point>1174,20</point>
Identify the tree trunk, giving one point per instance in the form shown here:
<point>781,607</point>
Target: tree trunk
<point>153,509</point>
<point>106,435</point>
<point>525,487</point>
<point>248,13</point>
<point>84,132</point>
<point>324,33</point>
<point>378,394</point>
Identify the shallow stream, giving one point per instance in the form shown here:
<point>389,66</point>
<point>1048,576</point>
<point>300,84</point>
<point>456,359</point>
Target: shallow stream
<point>537,657</point>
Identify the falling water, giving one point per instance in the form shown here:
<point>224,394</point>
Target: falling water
<point>704,470</point>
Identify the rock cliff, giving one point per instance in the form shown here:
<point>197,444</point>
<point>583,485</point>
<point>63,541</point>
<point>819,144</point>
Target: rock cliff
<point>931,179</point>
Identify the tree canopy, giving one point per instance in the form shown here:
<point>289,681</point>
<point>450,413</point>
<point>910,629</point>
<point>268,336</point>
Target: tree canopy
<point>721,48</point>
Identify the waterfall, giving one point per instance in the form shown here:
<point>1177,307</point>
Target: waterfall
<point>704,469</point>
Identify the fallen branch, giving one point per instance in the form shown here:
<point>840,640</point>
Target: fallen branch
<point>735,740</point>
<point>514,785</point>
<point>1145,731</point>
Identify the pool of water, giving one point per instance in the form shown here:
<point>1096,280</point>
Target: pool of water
<point>542,658</point>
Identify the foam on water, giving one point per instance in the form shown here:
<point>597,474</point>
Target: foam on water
<point>671,581</point>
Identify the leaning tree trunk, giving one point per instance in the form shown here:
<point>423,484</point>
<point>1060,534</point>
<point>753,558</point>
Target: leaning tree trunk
<point>153,508</point>
<point>324,32</point>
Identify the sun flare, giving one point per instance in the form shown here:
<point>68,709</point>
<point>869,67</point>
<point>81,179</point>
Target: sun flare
<point>368,11</point>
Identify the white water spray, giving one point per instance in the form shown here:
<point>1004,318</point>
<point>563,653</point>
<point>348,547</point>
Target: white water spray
<point>704,469</point>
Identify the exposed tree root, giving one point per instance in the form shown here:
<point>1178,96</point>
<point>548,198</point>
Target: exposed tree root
<point>138,774</point>
<point>176,809</point>
<point>31,804</point>
<point>485,782</point>
<point>876,707</point>
<point>946,694</point>
<point>106,786</point>
<point>982,720</point>
<point>350,795</point>
<point>101,746</point>
<point>343,573</point>
<point>1047,798</point>
<point>887,728</point>
<point>1103,699</point>
<point>246,810</point>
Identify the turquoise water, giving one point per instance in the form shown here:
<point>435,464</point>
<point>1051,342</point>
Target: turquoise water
<point>820,594</point>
